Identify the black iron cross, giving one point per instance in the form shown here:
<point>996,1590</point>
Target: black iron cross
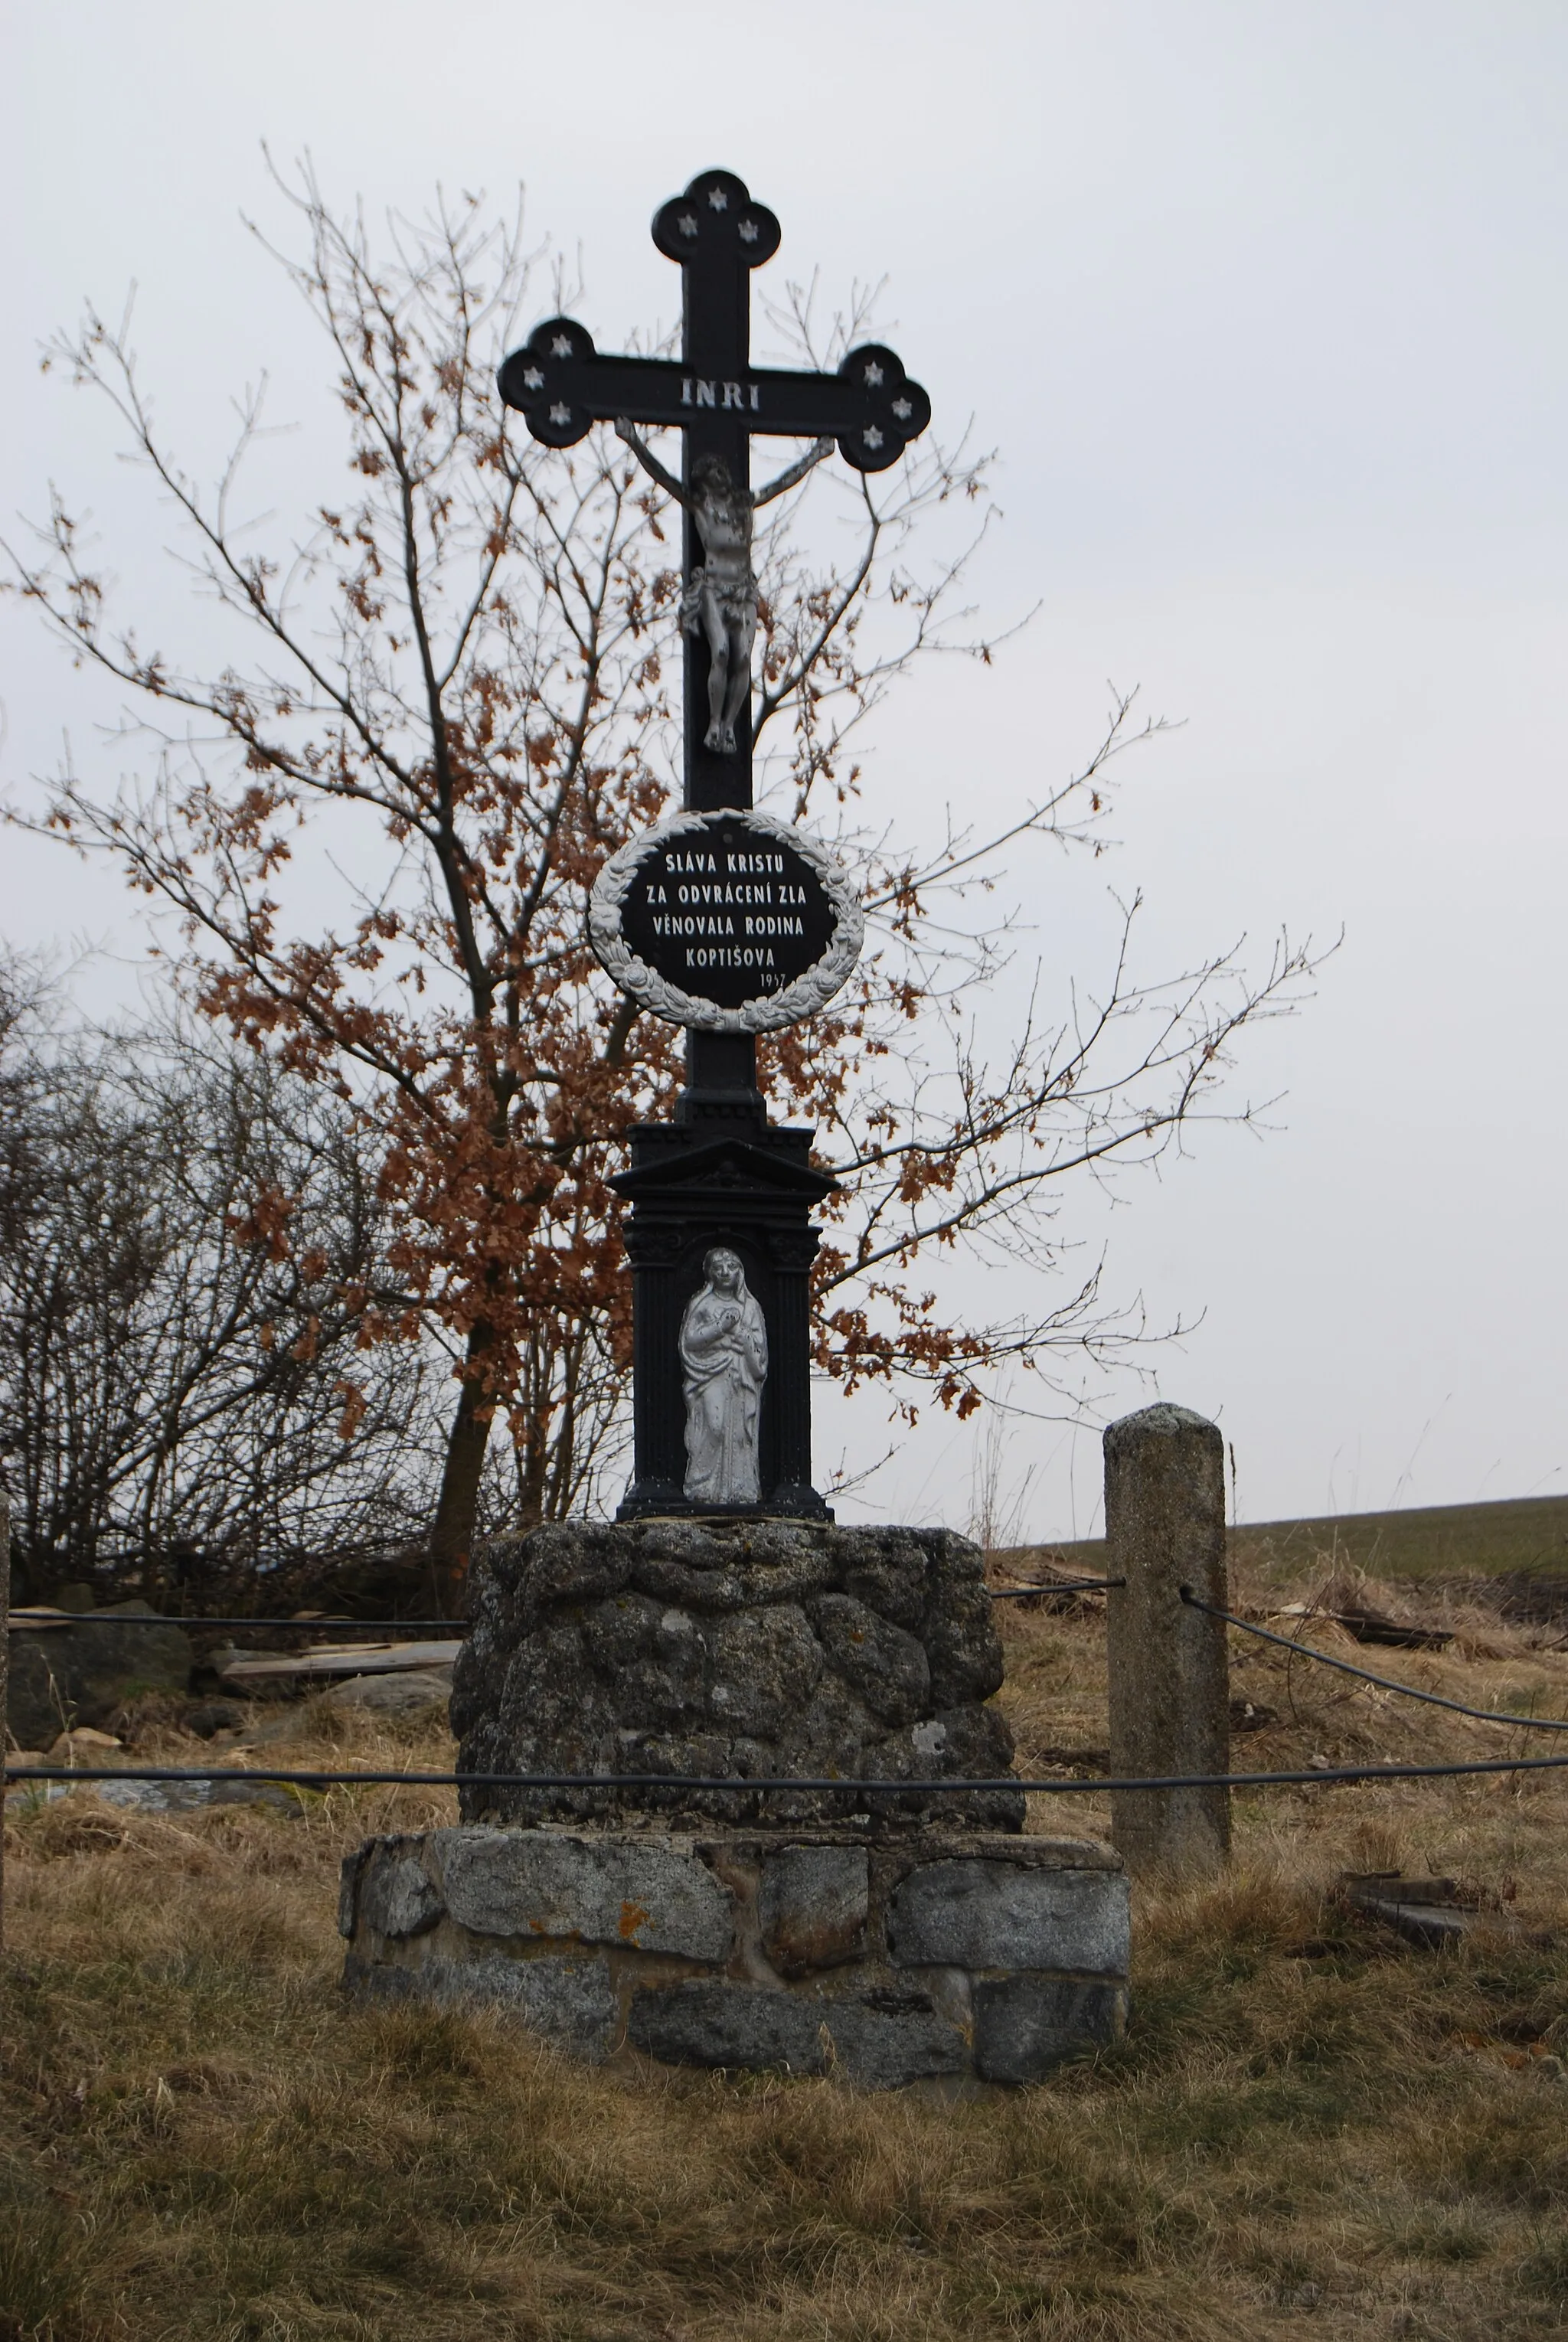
<point>719,1174</point>
<point>718,400</point>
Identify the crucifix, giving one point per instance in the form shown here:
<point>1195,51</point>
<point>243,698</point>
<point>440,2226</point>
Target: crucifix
<point>720,1196</point>
<point>720,601</point>
<point>719,401</point>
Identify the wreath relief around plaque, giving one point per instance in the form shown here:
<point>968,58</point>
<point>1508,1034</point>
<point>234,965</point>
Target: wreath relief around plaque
<point>732,922</point>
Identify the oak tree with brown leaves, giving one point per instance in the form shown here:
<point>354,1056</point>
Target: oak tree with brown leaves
<point>458,679</point>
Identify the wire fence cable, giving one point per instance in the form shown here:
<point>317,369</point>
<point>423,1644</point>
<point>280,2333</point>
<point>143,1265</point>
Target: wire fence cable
<point>26,1623</point>
<point>1387,1683</point>
<point>23,1622</point>
<point>328,1778</point>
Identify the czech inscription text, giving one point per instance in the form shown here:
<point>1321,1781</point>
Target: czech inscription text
<point>727,917</point>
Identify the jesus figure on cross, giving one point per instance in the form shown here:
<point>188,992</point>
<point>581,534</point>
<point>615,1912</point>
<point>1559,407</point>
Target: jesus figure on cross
<point>721,599</point>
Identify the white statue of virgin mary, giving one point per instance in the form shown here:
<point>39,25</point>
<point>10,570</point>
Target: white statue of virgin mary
<point>724,1366</point>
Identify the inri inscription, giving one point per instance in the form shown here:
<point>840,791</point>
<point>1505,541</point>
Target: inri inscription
<point>729,920</point>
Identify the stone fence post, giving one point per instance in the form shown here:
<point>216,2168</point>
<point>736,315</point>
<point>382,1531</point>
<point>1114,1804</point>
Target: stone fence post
<point>1169,1677</point>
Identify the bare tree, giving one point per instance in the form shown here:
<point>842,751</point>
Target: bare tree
<point>179,1383</point>
<point>461,666</point>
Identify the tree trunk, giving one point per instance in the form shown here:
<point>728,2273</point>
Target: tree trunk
<point>4,1660</point>
<point>457,1508</point>
<point>531,1481</point>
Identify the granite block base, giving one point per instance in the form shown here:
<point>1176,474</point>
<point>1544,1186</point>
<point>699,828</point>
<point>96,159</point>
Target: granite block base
<point>954,1960</point>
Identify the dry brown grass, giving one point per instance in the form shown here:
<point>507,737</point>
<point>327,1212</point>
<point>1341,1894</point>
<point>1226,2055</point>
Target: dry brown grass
<point>1309,2126</point>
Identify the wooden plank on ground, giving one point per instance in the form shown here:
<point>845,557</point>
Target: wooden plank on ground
<point>362,1660</point>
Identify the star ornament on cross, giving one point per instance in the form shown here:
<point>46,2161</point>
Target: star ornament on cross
<point>563,385</point>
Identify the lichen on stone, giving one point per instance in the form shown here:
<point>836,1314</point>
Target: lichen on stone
<point>771,1649</point>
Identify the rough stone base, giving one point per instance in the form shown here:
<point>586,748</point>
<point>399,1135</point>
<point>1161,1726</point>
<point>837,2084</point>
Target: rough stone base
<point>735,1651</point>
<point>955,1959</point>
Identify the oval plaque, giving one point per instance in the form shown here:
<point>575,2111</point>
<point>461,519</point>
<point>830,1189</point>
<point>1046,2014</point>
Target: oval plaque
<point>733,921</point>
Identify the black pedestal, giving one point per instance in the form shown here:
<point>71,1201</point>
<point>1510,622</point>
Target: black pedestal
<point>721,1174</point>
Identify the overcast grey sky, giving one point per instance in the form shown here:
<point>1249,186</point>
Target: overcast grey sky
<point>1263,309</point>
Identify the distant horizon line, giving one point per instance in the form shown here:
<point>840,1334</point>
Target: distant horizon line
<point>1318,1520</point>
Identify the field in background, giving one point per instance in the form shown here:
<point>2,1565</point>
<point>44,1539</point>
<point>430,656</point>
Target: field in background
<point>1523,1534</point>
<point>1311,2129</point>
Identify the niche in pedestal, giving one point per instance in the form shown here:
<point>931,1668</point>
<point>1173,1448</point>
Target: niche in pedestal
<point>749,1193</point>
